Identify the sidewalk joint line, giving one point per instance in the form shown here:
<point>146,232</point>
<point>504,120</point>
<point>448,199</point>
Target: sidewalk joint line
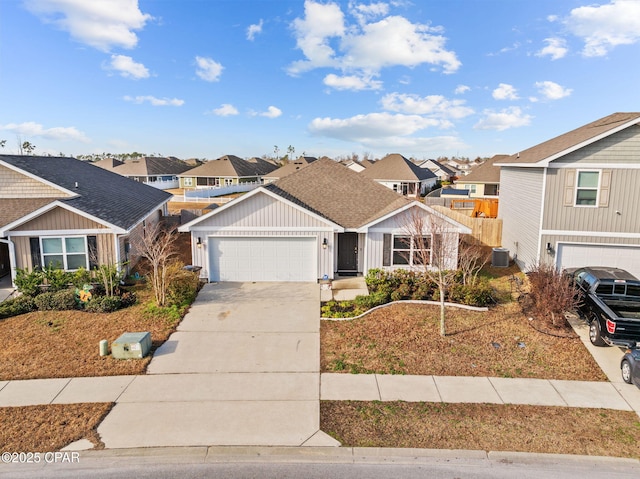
<point>61,389</point>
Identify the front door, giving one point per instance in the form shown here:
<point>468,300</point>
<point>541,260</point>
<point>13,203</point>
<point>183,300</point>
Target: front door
<point>348,253</point>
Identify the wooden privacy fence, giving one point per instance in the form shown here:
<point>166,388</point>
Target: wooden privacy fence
<point>487,231</point>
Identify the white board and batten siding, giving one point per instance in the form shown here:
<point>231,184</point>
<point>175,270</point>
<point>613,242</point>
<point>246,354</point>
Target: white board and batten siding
<point>521,191</point>
<point>264,239</point>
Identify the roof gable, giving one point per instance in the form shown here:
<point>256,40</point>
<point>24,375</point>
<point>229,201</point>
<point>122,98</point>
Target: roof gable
<point>338,193</point>
<point>543,153</point>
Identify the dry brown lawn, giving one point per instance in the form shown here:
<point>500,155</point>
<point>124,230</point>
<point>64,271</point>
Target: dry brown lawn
<point>486,427</point>
<point>54,344</point>
<point>405,339</point>
<point>51,427</point>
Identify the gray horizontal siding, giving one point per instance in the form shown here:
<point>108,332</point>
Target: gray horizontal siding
<point>624,198</point>
<point>621,147</point>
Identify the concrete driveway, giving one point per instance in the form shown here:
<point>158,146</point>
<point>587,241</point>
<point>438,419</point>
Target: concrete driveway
<point>242,369</point>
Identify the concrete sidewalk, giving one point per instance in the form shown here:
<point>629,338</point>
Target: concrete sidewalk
<point>194,388</point>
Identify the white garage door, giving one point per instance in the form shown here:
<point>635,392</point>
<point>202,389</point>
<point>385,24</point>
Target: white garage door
<point>262,259</point>
<point>575,255</point>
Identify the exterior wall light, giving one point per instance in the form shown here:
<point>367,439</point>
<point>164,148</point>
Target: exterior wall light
<point>325,243</point>
<point>199,243</point>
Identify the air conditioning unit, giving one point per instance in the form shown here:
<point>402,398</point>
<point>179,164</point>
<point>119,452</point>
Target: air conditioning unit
<point>500,258</point>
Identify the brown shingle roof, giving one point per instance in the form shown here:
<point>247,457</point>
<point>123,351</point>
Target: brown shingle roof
<point>486,172</point>
<point>152,166</point>
<point>572,139</point>
<point>338,193</point>
<point>396,167</point>
<point>291,167</point>
<point>108,163</point>
<point>230,166</point>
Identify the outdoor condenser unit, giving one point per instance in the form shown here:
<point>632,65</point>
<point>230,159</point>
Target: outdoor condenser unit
<point>500,258</point>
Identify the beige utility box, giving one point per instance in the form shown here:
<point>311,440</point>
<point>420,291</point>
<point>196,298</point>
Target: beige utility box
<point>131,346</point>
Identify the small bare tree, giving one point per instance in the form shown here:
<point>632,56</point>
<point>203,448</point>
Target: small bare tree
<point>472,257</point>
<point>158,247</point>
<point>552,293</point>
<point>432,247</point>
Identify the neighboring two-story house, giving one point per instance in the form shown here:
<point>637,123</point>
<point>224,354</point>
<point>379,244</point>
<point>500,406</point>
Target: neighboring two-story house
<point>67,213</point>
<point>574,200</point>
<point>484,179</point>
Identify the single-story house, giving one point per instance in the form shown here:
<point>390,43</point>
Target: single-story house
<point>321,221</point>
<point>574,200</point>
<point>156,171</point>
<point>67,213</point>
<point>225,171</point>
<point>401,175</point>
<point>442,171</point>
<point>289,168</point>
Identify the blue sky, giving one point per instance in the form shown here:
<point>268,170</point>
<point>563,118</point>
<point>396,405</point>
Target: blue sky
<point>206,78</point>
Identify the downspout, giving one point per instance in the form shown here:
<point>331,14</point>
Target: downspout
<point>12,258</point>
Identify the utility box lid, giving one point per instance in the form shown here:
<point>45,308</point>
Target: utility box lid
<point>131,346</point>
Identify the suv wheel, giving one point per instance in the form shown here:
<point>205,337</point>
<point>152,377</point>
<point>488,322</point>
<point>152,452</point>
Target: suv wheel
<point>595,336</point>
<point>626,371</point>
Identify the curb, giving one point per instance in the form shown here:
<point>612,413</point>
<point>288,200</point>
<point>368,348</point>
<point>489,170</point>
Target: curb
<point>331,455</point>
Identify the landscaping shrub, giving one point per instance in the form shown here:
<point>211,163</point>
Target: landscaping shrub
<point>183,285</point>
<point>478,294</point>
<point>56,301</point>
<point>552,293</point>
<point>28,282</point>
<point>15,306</point>
<point>103,304</point>
<point>56,279</point>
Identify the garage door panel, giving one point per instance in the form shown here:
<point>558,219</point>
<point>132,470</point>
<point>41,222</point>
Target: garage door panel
<point>576,255</point>
<point>253,258</point>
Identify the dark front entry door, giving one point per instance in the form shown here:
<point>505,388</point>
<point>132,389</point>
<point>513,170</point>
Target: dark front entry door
<point>348,252</point>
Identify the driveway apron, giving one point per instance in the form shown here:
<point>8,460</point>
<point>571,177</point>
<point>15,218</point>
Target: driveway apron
<point>241,369</point>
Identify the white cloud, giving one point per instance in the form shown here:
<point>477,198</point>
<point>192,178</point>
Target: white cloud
<point>128,68</point>
<point>320,23</point>
<point>100,24</point>
<point>435,105</point>
<point>370,126</point>
<point>603,27</point>
<point>351,82</point>
<point>552,91</point>
<point>208,69</point>
<point>254,30</point>
<point>505,92</point>
<point>461,89</point>
<point>556,48</point>
<point>154,101</point>
<point>226,109</point>
<point>272,112</point>
<point>32,129</point>
<point>363,12</point>
<point>366,47</point>
<point>502,120</point>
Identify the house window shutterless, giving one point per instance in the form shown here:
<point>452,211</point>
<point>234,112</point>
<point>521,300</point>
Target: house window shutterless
<point>68,253</point>
<point>587,188</point>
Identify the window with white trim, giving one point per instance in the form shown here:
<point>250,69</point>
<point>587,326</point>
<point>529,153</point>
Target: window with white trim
<point>68,253</point>
<point>410,250</point>
<point>587,188</point>
<point>188,181</point>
